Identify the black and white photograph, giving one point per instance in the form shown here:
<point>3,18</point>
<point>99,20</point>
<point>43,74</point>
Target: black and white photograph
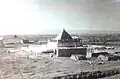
<point>59,39</point>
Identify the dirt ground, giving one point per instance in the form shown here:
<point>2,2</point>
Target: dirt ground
<point>113,77</point>
<point>18,65</point>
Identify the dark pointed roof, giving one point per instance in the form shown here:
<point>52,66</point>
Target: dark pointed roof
<point>63,35</point>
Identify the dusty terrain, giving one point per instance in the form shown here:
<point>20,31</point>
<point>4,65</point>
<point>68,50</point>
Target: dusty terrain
<point>19,65</point>
<point>112,77</point>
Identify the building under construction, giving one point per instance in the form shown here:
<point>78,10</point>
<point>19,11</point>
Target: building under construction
<point>64,45</point>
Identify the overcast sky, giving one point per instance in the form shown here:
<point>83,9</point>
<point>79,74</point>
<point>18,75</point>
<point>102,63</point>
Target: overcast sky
<point>50,16</point>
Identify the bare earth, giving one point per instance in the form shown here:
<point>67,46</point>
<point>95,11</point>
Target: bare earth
<point>12,66</point>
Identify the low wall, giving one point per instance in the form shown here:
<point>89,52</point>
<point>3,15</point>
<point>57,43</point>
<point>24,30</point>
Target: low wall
<point>69,52</point>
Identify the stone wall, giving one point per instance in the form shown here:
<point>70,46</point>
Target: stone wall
<point>69,52</point>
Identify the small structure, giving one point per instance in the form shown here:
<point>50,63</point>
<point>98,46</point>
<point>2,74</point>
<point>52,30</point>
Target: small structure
<point>97,51</point>
<point>23,41</point>
<point>11,43</point>
<point>26,41</point>
<point>65,46</point>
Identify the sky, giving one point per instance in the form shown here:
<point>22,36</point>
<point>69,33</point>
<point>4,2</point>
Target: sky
<point>50,16</point>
